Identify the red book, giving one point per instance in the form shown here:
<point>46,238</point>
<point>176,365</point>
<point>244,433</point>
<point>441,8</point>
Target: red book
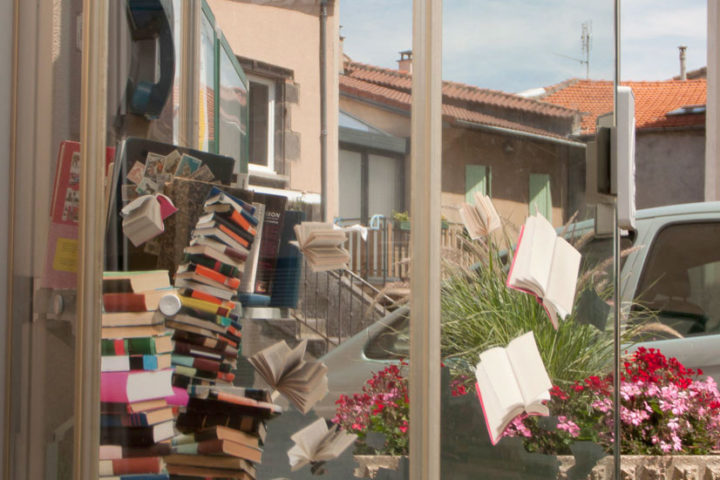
<point>129,466</point>
<point>231,282</point>
<point>124,302</point>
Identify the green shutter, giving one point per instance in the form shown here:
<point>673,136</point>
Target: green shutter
<point>477,179</point>
<point>540,198</point>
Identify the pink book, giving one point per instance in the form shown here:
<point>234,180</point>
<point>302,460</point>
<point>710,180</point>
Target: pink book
<point>136,386</point>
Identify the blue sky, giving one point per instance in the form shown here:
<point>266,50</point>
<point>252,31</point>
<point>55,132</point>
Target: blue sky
<point>514,45</point>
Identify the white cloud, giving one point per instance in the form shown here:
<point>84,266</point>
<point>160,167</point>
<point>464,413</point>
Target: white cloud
<point>514,45</point>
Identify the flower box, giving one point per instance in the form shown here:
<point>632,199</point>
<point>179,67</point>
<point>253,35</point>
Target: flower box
<point>651,467</point>
<point>369,465</point>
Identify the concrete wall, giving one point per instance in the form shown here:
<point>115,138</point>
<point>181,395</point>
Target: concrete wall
<point>670,167</point>
<point>289,38</point>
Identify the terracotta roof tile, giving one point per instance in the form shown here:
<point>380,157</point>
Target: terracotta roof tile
<point>452,113</point>
<point>455,91</point>
<point>653,101</point>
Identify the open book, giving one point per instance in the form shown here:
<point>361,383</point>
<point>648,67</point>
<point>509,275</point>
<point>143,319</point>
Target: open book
<point>546,266</point>
<point>318,443</point>
<point>480,219</point>
<point>322,245</point>
<point>284,370</point>
<point>511,381</point>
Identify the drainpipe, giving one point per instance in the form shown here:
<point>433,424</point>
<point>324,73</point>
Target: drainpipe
<point>323,111</point>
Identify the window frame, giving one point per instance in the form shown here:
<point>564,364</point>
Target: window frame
<point>219,41</point>
<point>271,85</point>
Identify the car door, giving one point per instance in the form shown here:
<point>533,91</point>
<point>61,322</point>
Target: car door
<point>676,276</point>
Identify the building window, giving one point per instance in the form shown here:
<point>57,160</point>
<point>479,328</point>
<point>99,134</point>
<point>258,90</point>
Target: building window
<point>477,179</point>
<point>540,198</point>
<point>262,122</point>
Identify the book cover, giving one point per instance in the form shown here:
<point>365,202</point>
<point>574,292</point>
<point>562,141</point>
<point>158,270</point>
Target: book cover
<point>288,268</point>
<point>270,240</point>
<point>62,248</point>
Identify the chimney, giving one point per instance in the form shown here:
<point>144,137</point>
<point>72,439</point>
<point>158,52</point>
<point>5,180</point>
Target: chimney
<point>341,56</point>
<point>405,62</point>
<point>683,70</point>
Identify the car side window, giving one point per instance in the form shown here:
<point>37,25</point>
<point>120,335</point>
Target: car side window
<point>681,279</point>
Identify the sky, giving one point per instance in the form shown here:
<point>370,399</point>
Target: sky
<point>516,45</point>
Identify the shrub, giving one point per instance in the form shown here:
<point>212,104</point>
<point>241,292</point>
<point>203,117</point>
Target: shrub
<point>382,408</point>
<point>665,408</point>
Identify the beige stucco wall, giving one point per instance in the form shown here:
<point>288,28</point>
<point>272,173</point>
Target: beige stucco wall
<point>290,38</point>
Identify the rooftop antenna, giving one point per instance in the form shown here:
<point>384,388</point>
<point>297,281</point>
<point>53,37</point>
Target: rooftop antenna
<point>586,42</point>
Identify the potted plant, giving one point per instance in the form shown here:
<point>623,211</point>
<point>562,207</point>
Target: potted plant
<point>402,220</point>
<point>379,416</point>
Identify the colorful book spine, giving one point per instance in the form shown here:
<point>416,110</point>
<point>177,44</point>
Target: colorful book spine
<point>223,268</point>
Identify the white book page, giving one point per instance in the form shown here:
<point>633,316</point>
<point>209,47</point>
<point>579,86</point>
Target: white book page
<point>492,219</point>
<point>497,383</point>
<point>541,248</point>
<point>528,368</point>
<point>270,362</point>
<point>307,442</point>
<point>497,414</point>
<point>563,277</point>
<point>338,442</point>
<point>469,217</point>
<point>522,254</point>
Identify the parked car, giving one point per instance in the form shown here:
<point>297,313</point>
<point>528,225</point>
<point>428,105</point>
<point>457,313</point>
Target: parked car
<point>673,269</point>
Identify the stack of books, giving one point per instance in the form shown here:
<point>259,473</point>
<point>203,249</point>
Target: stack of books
<point>222,427</point>
<point>138,402</point>
<point>207,326</point>
<point>222,432</point>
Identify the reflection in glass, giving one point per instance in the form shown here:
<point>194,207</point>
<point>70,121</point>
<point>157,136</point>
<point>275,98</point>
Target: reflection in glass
<point>206,95</point>
<point>233,110</point>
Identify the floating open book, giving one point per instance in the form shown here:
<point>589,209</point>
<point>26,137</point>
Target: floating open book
<point>480,219</point>
<point>511,381</point>
<point>322,245</point>
<point>546,266</point>
<point>317,443</point>
<point>284,370</point>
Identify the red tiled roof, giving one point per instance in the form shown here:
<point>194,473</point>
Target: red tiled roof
<point>653,100</point>
<point>398,80</point>
<point>451,113</point>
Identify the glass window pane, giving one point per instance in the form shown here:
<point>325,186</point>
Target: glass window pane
<point>233,111</point>
<point>351,185</point>
<point>206,94</point>
<point>259,122</point>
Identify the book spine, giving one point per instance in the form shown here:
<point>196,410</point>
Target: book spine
<point>238,219</point>
<point>223,268</point>
<point>205,306</point>
<point>234,235</point>
<point>124,302</point>
<point>188,422</point>
<point>128,346</point>
<point>206,297</point>
<point>129,466</point>
<point>231,282</point>
<point>200,363</point>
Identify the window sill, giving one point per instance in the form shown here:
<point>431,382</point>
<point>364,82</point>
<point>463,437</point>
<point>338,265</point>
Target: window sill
<point>265,177</point>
